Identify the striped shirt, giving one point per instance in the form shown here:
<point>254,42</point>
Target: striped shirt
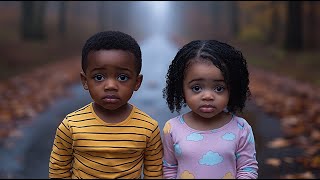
<point>87,147</point>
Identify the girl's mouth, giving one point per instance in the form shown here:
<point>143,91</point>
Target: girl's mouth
<point>207,108</point>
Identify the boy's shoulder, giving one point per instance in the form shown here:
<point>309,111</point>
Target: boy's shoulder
<point>144,116</point>
<point>83,109</point>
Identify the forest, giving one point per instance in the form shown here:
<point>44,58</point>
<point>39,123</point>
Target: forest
<point>41,41</point>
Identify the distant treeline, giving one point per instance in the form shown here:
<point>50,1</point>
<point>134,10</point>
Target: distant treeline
<point>292,25</point>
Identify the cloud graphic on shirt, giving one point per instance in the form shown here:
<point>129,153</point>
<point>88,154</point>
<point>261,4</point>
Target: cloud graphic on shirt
<point>177,149</point>
<point>181,120</point>
<point>165,163</point>
<point>250,137</point>
<point>186,175</point>
<point>237,155</point>
<point>248,169</point>
<point>214,130</point>
<point>229,136</point>
<point>228,176</point>
<point>211,158</point>
<point>240,125</point>
<point>194,137</point>
<point>167,128</point>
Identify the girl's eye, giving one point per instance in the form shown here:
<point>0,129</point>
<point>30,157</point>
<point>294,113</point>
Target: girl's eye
<point>219,89</point>
<point>196,88</point>
<point>98,77</point>
<point>123,77</point>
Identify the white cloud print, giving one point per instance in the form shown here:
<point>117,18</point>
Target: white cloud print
<point>229,136</point>
<point>250,137</point>
<point>194,137</point>
<point>177,149</point>
<point>211,158</point>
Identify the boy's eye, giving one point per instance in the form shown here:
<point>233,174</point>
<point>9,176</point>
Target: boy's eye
<point>98,77</point>
<point>196,88</point>
<point>219,89</point>
<point>123,77</point>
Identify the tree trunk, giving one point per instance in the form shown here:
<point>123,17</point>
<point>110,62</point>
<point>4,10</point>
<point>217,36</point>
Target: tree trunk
<point>62,19</point>
<point>311,26</point>
<point>26,19</point>
<point>234,21</point>
<point>32,20</point>
<point>293,39</point>
<point>275,24</point>
<point>216,16</point>
<point>102,24</point>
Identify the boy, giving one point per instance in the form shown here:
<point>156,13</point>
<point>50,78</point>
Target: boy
<point>109,138</point>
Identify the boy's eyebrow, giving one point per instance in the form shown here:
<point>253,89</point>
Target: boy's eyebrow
<point>120,68</point>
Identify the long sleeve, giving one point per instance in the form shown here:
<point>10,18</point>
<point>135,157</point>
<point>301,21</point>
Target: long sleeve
<point>153,156</point>
<point>60,164</point>
<point>247,165</point>
<point>170,164</point>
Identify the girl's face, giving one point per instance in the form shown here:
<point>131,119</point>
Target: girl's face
<point>111,78</point>
<point>204,88</point>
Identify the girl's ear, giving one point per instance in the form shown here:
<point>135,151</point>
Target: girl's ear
<point>84,80</point>
<point>138,82</point>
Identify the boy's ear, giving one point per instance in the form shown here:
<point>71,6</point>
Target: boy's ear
<point>138,82</point>
<point>84,80</point>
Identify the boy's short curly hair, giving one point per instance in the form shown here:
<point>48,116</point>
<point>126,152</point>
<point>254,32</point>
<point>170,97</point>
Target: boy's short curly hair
<point>107,40</point>
<point>225,57</point>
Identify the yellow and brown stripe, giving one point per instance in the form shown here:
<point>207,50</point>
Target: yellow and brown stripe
<point>87,147</point>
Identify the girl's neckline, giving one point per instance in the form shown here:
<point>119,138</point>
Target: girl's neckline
<point>181,119</point>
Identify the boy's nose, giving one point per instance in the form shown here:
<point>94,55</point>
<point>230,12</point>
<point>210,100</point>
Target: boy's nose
<point>110,84</point>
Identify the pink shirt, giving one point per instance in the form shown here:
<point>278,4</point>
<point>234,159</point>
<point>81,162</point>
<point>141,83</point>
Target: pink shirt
<point>226,152</point>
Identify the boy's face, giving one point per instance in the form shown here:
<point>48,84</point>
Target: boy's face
<point>111,77</point>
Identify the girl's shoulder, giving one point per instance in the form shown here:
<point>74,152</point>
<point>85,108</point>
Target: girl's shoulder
<point>176,120</point>
<point>173,123</point>
<point>242,124</point>
<point>241,121</point>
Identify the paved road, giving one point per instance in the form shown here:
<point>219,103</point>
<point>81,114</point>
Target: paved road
<point>28,156</point>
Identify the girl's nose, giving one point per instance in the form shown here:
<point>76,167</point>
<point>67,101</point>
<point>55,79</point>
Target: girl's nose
<point>208,95</point>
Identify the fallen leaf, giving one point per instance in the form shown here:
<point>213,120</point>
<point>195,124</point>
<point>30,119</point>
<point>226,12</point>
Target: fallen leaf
<point>273,162</point>
<point>278,143</point>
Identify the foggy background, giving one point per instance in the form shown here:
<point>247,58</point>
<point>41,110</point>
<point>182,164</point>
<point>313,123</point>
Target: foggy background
<point>40,48</point>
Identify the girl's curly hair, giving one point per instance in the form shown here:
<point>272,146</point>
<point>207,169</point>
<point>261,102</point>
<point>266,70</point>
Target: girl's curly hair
<point>225,57</point>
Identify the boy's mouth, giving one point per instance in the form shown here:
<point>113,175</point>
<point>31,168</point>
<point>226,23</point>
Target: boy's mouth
<point>111,99</point>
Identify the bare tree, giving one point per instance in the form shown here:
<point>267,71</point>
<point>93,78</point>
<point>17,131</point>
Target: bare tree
<point>234,18</point>
<point>216,15</point>
<point>273,33</point>
<point>293,36</point>
<point>311,29</point>
<point>62,18</point>
<point>102,23</point>
<point>32,20</point>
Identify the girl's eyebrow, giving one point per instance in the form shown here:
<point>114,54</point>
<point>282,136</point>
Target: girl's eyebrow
<point>201,79</point>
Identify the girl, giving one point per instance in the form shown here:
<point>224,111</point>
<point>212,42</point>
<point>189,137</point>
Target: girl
<point>209,141</point>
